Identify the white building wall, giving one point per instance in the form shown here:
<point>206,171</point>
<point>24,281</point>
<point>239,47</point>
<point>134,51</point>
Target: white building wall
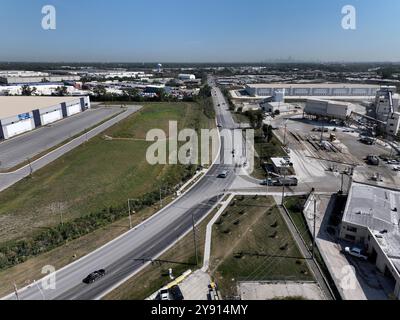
<point>393,125</point>
<point>17,128</point>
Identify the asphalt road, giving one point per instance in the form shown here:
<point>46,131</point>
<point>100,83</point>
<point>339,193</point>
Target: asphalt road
<point>8,179</point>
<point>119,257</point>
<point>19,149</point>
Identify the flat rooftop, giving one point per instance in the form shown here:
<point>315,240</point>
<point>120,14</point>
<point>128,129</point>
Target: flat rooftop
<point>311,85</point>
<point>378,209</point>
<point>337,103</point>
<point>11,106</point>
<point>280,162</point>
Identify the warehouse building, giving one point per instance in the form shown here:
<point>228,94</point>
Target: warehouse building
<point>22,114</point>
<point>26,77</point>
<point>372,222</point>
<point>313,90</point>
<point>329,109</point>
<point>186,77</point>
<point>41,88</point>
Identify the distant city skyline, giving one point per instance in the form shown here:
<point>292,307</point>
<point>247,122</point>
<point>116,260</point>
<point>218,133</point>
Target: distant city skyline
<point>223,31</point>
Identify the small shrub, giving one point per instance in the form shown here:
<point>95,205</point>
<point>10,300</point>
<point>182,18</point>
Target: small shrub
<point>274,235</point>
<point>284,247</point>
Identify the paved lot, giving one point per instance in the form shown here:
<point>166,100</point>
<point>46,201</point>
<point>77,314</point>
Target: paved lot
<point>195,287</point>
<point>8,179</point>
<point>279,290</point>
<point>19,149</point>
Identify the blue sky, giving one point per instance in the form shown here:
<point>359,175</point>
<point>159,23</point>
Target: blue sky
<point>199,31</point>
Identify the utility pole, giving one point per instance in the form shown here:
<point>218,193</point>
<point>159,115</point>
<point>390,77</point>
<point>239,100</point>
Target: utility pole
<point>161,203</point>
<point>341,185</point>
<point>284,135</point>
<point>16,291</point>
<point>194,239</point>
<point>30,166</point>
<point>322,132</point>
<point>129,212</point>
<point>283,189</point>
<point>315,218</point>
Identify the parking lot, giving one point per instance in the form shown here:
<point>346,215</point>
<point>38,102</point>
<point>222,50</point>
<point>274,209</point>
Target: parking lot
<point>317,147</point>
<point>28,145</point>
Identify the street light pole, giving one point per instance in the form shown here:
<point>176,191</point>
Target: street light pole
<point>284,135</point>
<point>30,166</point>
<point>129,212</point>
<point>16,291</point>
<point>194,239</point>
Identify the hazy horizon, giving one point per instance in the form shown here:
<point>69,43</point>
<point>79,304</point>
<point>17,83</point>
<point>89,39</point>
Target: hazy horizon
<point>257,31</point>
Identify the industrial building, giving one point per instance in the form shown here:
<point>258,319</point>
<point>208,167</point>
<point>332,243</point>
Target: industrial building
<point>282,166</point>
<point>329,109</point>
<point>313,90</point>
<point>371,221</point>
<point>27,77</point>
<point>22,114</point>
<point>387,108</point>
<point>42,88</point>
<point>186,77</point>
<point>275,107</point>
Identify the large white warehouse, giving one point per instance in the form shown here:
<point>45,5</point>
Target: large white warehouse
<point>330,109</point>
<point>313,90</point>
<point>22,114</point>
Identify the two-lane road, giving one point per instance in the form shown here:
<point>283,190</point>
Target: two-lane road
<point>148,240</point>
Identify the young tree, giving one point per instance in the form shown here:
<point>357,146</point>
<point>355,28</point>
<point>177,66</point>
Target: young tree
<point>61,91</point>
<point>26,90</point>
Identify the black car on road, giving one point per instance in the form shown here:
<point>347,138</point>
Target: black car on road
<point>94,276</point>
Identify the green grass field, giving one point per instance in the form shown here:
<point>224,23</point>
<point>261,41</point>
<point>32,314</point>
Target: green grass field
<point>96,175</point>
<point>251,242</point>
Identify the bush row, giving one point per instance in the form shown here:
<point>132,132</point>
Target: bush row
<point>15,252</point>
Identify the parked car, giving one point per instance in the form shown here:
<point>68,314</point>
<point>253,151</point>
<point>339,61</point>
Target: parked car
<point>267,182</point>
<point>373,160</point>
<point>396,168</point>
<point>319,129</point>
<point>223,174</point>
<point>94,276</point>
<point>393,162</point>
<point>288,182</point>
<point>176,293</point>
<point>356,252</point>
<point>164,295</point>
